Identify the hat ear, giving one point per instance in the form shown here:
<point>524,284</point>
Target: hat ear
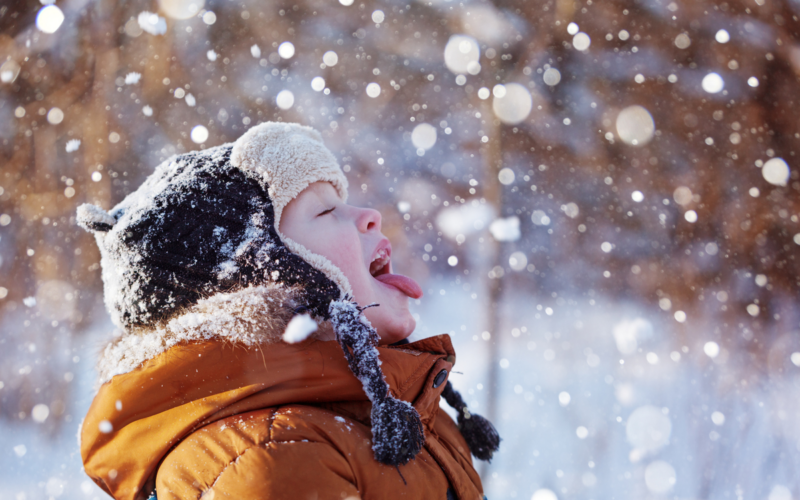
<point>94,219</point>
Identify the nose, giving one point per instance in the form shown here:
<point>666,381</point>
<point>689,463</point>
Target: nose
<point>368,220</point>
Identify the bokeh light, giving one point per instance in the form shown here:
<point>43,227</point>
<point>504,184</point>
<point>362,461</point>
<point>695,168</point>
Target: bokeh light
<point>330,58</point>
<point>181,9</point>
<point>514,105</point>
<point>713,83</point>
<point>373,90</point>
<point>285,99</point>
<point>581,41</point>
<point>635,125</point>
<point>776,171</point>
<point>551,77</point>
<point>460,51</point>
<point>318,83</point>
<point>286,50</point>
<point>199,134</point>
<point>424,136</point>
<point>49,19</point>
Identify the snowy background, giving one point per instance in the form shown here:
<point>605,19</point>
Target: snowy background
<point>600,199</point>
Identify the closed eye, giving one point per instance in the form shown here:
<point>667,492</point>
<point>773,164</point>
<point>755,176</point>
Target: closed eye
<point>326,211</point>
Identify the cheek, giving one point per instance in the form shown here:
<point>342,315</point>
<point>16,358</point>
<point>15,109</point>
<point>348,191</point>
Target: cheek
<point>353,268</point>
<point>344,251</point>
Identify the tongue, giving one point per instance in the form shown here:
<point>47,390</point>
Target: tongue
<point>402,283</point>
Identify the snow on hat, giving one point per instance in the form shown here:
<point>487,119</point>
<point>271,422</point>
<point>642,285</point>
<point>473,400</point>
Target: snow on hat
<point>206,222</point>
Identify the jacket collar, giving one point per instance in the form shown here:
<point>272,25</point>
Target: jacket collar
<point>224,357</point>
<point>257,314</point>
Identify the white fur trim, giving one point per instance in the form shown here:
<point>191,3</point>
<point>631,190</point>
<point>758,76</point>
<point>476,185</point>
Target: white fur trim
<point>319,262</point>
<point>288,157</point>
<point>248,316</point>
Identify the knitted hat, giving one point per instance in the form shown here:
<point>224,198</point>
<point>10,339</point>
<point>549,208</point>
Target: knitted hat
<point>207,221</point>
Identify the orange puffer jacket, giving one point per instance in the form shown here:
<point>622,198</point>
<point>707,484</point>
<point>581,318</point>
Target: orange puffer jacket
<point>214,406</point>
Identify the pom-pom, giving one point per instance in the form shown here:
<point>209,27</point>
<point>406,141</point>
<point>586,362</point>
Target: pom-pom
<point>480,435</point>
<point>94,219</point>
<point>397,432</point>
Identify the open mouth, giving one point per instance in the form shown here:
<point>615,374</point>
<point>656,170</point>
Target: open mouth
<point>381,264</point>
<point>381,269</point>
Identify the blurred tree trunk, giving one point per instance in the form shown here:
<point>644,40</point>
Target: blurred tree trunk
<point>493,192</point>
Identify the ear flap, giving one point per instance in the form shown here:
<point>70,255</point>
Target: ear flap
<point>94,219</point>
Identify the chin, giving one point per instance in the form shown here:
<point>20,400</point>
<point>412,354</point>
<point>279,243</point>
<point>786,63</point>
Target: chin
<point>396,329</point>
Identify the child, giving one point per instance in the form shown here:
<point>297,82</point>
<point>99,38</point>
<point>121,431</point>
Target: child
<point>230,272</point>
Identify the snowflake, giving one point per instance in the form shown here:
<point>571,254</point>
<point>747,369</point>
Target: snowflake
<point>73,145</point>
<point>132,78</point>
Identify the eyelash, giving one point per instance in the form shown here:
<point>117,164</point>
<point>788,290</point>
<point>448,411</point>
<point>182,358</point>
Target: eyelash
<point>328,211</point>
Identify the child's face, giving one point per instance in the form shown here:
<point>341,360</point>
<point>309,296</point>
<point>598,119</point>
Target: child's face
<point>350,237</point>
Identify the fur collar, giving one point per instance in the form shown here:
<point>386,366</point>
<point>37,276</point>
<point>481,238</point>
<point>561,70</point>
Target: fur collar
<point>253,315</point>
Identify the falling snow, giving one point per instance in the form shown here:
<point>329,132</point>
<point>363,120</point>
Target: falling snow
<point>132,78</point>
<point>600,201</point>
<point>73,145</point>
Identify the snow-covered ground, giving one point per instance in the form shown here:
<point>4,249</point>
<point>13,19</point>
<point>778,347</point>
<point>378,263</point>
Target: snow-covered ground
<point>38,464</point>
<point>579,419</point>
<point>583,420</point>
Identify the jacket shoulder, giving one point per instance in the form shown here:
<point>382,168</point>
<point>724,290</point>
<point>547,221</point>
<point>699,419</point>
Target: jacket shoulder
<point>292,452</point>
<point>270,453</point>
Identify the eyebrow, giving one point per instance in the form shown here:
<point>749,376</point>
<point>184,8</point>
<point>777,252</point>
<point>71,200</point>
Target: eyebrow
<point>328,194</point>
<point>319,204</point>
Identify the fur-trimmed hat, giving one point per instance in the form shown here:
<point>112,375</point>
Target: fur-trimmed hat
<point>207,222</point>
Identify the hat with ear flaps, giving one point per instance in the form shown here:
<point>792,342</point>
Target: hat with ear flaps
<point>207,221</point>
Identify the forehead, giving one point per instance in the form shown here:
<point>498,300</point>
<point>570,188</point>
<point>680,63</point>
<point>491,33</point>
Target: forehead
<point>320,189</point>
<point>316,191</point>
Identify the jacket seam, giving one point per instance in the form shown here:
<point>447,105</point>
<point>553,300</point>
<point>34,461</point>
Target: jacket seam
<point>349,466</point>
<point>269,438</point>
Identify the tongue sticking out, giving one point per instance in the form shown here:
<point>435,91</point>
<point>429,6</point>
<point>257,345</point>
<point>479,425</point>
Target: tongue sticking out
<point>402,283</point>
